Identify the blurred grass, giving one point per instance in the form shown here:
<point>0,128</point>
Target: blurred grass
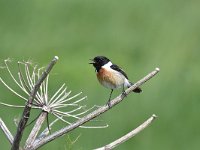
<point>137,35</point>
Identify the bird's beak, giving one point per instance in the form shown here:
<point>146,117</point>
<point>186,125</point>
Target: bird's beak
<point>92,61</point>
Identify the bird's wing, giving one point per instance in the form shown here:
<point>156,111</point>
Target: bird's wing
<point>117,68</point>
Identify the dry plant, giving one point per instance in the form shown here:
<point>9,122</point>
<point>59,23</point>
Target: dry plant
<point>34,83</point>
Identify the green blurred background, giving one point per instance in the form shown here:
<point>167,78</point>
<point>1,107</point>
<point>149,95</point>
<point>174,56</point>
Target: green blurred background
<point>139,35</point>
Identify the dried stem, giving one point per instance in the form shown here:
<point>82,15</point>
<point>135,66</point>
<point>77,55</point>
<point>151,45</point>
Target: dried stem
<point>93,114</point>
<point>27,109</point>
<point>35,130</point>
<point>128,135</point>
<point>6,131</point>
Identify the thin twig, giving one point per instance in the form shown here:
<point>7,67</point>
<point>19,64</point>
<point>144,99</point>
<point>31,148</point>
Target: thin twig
<point>46,131</point>
<point>27,109</point>
<point>6,131</point>
<point>128,135</point>
<point>93,114</point>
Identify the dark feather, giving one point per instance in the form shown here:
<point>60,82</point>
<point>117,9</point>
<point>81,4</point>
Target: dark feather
<point>117,68</point>
<point>137,90</point>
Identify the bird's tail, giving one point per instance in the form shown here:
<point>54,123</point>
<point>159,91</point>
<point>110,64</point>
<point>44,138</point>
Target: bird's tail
<point>137,90</point>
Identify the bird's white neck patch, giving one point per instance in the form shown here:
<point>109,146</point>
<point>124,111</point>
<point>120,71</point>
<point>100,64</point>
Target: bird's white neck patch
<point>107,65</point>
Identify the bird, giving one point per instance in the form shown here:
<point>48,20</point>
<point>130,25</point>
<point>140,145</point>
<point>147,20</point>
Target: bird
<point>111,75</point>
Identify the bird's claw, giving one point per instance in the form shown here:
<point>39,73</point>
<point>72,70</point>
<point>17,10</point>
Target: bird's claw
<point>109,104</point>
<point>124,94</point>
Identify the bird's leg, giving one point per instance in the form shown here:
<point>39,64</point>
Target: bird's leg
<point>109,98</point>
<point>124,92</point>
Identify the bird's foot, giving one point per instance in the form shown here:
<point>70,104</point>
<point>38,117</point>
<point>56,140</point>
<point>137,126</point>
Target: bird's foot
<point>109,104</point>
<point>124,94</point>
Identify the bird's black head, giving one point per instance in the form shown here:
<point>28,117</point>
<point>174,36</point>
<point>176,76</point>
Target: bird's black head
<point>99,61</point>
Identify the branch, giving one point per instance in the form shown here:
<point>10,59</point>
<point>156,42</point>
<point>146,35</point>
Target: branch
<point>27,109</point>
<point>93,114</point>
<point>6,131</point>
<point>36,129</point>
<point>129,135</point>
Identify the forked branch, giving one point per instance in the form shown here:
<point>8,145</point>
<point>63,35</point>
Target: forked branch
<point>36,86</point>
<point>27,109</point>
<point>93,114</point>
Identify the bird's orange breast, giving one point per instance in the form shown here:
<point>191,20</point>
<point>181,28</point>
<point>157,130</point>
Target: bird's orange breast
<point>106,78</point>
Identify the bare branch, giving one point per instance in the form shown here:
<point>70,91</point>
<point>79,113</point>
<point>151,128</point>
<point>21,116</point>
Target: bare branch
<point>93,114</point>
<point>6,131</point>
<point>27,109</point>
<point>36,129</point>
<point>129,135</point>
